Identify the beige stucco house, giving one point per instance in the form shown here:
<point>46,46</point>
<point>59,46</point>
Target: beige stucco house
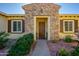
<point>41,19</point>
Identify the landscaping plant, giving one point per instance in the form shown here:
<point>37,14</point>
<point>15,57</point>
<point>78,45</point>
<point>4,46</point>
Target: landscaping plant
<point>22,46</point>
<point>3,39</point>
<point>68,39</point>
<point>63,52</point>
<point>75,52</point>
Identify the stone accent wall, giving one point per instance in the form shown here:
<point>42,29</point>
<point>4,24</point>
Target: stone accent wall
<point>42,9</point>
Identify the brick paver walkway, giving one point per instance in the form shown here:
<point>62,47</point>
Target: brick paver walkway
<point>41,49</point>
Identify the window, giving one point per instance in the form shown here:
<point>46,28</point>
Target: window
<point>16,26</point>
<point>68,26</point>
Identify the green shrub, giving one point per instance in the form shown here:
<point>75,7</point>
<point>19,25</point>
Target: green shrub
<point>22,46</point>
<point>63,52</point>
<point>3,39</point>
<point>68,39</point>
<point>29,38</point>
<point>76,51</point>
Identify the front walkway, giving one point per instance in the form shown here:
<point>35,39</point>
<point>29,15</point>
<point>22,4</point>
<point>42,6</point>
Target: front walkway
<point>41,49</point>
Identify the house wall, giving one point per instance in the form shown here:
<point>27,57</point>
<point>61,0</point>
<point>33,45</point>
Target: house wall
<point>61,17</point>
<point>15,17</point>
<point>3,23</point>
<point>68,17</point>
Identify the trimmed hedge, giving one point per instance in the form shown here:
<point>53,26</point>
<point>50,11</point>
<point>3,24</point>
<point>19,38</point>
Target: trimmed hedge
<point>22,46</point>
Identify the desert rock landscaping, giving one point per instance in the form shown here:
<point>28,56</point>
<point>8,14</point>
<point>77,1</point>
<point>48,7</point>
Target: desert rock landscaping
<point>54,47</point>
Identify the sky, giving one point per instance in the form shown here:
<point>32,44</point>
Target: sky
<point>69,8</point>
<point>16,8</point>
<point>12,8</point>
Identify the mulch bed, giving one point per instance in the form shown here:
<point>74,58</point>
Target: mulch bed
<point>54,47</point>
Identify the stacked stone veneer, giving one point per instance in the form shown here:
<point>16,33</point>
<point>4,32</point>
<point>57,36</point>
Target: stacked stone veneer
<point>42,9</point>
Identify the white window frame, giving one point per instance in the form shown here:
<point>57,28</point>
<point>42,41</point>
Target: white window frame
<point>72,26</point>
<point>12,26</point>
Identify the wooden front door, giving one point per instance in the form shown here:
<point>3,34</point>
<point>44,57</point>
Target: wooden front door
<point>41,30</point>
